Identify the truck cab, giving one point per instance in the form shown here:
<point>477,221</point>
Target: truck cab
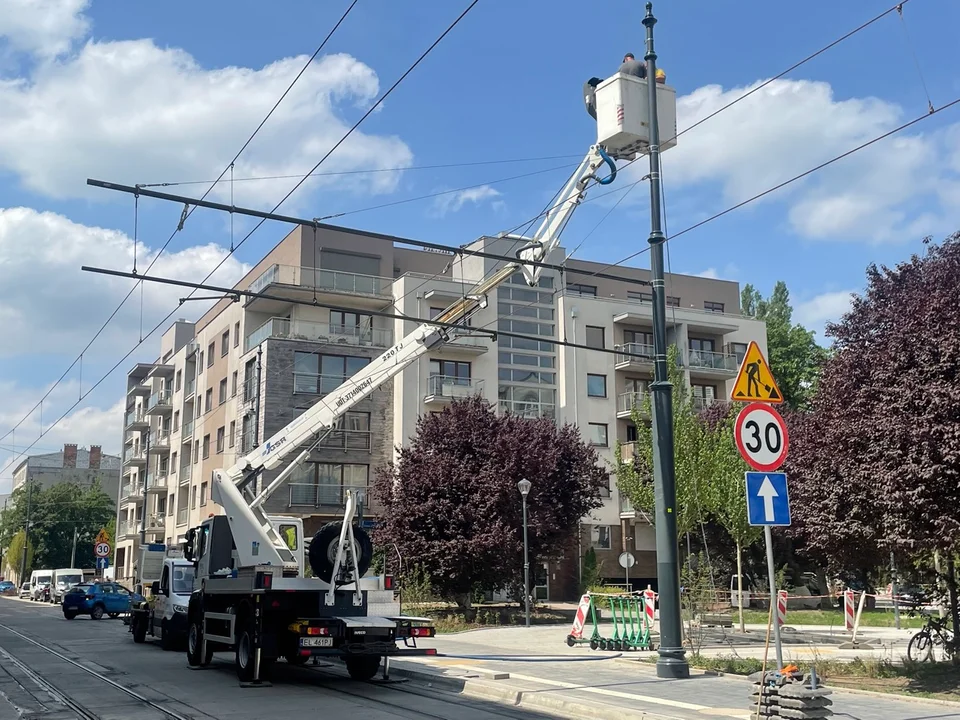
<point>169,578</point>
<point>63,580</point>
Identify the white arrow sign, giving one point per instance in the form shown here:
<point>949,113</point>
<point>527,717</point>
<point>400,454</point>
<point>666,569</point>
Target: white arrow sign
<point>768,492</point>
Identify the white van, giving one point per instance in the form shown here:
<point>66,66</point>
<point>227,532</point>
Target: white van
<point>63,580</point>
<point>38,580</point>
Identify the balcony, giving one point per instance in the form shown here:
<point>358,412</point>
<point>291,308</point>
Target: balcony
<point>155,524</point>
<point>627,451</point>
<point>626,356</point>
<point>127,529</point>
<point>322,333</point>
<point>528,410</point>
<point>313,384</point>
<point>160,443</point>
<point>348,440</point>
<point>703,361</point>
<point>131,492</point>
<point>141,388</point>
<point>315,496</point>
<point>183,514</point>
<point>185,474</point>
<point>468,345</point>
<point>135,419</point>
<point>160,402</point>
<point>289,282</point>
<point>156,482</point>
<point>702,403</point>
<point>627,511</point>
<point>444,388</point>
<point>189,388</point>
<point>186,431</point>
<point>629,400</point>
<point>135,456</point>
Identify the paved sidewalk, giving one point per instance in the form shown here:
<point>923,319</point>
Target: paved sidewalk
<point>531,667</point>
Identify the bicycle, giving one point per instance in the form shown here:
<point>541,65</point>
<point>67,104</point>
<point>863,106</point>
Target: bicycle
<point>934,633</point>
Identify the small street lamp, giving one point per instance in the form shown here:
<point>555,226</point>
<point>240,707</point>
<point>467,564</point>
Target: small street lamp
<point>524,487</point>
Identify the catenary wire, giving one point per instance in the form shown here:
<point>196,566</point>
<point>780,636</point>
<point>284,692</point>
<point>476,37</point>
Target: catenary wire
<point>173,234</point>
<point>861,27</point>
<point>257,226</point>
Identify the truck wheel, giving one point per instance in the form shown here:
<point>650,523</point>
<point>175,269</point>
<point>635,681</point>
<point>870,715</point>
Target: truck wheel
<point>195,646</point>
<point>323,549</point>
<point>139,629</point>
<point>167,640</point>
<point>246,658</point>
<point>363,667</point>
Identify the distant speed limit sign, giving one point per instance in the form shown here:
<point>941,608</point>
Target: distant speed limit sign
<point>102,549</point>
<point>761,436</point>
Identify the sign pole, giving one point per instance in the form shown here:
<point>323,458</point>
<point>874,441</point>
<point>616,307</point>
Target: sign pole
<point>768,537</point>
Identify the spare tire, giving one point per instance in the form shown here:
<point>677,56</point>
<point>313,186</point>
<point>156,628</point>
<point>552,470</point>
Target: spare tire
<point>323,550</point>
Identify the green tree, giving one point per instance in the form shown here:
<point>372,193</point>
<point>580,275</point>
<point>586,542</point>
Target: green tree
<point>635,474</point>
<point>15,554</point>
<point>792,351</point>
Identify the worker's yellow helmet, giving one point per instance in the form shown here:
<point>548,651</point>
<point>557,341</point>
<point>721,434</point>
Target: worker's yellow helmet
<point>661,75</point>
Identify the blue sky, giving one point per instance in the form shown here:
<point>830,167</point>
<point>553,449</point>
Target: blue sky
<point>168,92</point>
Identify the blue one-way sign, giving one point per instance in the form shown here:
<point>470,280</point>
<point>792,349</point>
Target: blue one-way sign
<point>767,500</point>
<point>103,563</point>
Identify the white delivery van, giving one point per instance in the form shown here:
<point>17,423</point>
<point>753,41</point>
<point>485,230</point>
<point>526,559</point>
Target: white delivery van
<point>63,580</point>
<point>40,579</point>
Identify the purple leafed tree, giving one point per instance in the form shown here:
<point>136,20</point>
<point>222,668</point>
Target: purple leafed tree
<point>451,503</point>
<point>875,464</point>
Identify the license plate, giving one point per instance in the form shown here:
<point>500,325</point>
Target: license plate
<point>316,642</point>
<point>71,607</point>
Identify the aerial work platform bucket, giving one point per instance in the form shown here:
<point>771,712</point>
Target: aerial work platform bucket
<point>623,114</point>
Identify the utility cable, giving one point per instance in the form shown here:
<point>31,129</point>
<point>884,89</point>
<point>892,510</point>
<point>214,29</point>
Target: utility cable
<point>187,214</point>
<point>257,226</point>
<point>916,60</point>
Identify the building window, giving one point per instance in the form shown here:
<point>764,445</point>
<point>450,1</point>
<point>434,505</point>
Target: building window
<point>350,323</point>
<point>632,433</point>
<point>176,420</point>
<point>672,301</point>
<point>210,348</point>
<point>203,494</point>
<point>702,344</point>
<point>193,500</point>
<point>320,374</point>
<point>600,537</point>
<point>220,432</point>
<point>163,467</point>
<point>638,337</point>
<point>703,395</point>
<point>162,505</point>
<point>246,436</point>
<point>233,383</point>
<point>326,483</point>
<point>208,397</point>
<point>173,461</point>
<point>170,505</point>
<point>177,381</point>
<point>454,369</point>
<point>641,296</point>
<point>527,376</point>
<point>740,350</point>
<point>232,433</point>
<point>223,391</point>
<point>579,289</point>
<point>225,342</point>
<point>597,385</point>
<point>206,446</point>
<point>200,363</point>
<point>597,434</point>
<point>711,306</point>
<point>595,337</point>
<point>250,380</point>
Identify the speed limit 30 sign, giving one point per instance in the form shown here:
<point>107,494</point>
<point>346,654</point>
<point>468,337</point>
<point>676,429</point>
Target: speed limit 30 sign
<point>761,436</point>
<point>102,549</point>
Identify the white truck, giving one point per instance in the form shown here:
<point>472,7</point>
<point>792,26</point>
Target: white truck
<point>251,593</point>
<point>164,614</point>
<point>63,580</point>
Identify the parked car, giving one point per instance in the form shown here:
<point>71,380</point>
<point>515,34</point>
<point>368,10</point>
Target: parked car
<point>8,588</point>
<point>25,590</point>
<point>97,599</point>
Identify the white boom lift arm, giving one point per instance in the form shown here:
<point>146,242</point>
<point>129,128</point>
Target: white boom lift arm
<point>256,540</point>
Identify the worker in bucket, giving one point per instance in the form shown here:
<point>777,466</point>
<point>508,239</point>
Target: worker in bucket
<point>632,66</point>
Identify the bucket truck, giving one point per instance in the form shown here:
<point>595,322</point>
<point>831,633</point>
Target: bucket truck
<point>252,594</point>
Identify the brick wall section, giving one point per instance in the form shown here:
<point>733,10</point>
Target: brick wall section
<point>69,456</point>
<point>95,456</point>
<point>277,409</point>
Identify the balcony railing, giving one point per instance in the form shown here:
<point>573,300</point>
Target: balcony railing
<point>248,391</point>
<point>131,491</point>
<point>626,507</point>
<point>706,360</point>
<point>160,440</point>
<point>186,473</point>
<point>625,353</point>
<point>155,523</point>
<point>161,398</point>
<point>137,454</point>
<point>312,495</point>
<point>182,515</point>
<point>317,384</point>
<point>319,333</point>
<point>186,430</point>
<point>156,481</point>
<point>448,387</point>
<point>702,403</point>
<point>348,440</point>
<point>330,280</point>
<point>627,401</point>
<point>134,416</point>
<point>530,410</point>
<point>189,387</point>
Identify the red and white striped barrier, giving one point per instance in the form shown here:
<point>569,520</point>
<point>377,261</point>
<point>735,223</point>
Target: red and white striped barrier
<point>849,610</point>
<point>781,607</point>
<point>581,617</point>
<point>649,604</point>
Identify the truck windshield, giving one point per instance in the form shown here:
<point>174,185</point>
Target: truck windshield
<point>183,580</point>
<point>68,579</point>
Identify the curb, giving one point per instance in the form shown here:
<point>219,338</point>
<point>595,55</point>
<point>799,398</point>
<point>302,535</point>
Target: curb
<point>489,690</point>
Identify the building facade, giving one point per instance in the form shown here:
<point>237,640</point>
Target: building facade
<point>223,385</point>
<point>81,466</point>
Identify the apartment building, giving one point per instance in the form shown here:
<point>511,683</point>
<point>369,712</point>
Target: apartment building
<point>247,368</point>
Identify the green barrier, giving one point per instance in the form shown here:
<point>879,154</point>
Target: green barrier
<point>630,629</point>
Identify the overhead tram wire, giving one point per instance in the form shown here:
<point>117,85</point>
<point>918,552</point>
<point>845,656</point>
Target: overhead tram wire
<point>813,55</point>
<point>349,132</point>
<point>179,226</point>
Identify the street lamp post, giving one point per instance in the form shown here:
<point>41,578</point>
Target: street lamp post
<point>524,487</point>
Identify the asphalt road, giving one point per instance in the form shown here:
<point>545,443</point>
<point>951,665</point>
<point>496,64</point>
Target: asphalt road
<point>57,669</point>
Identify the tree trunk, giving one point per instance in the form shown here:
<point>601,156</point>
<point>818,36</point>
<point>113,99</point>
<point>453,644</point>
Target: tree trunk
<point>826,602</point>
<point>954,609</point>
<point>743,627</point>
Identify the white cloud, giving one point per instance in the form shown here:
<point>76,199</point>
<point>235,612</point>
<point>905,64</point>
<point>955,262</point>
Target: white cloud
<point>131,112</point>
<point>44,28</point>
<point>790,126</point>
<point>728,272</point>
<point>454,201</point>
<point>48,305</point>
<point>821,309</point>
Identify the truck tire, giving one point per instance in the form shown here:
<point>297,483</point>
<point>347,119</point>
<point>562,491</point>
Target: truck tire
<point>362,667</point>
<point>195,645</point>
<point>139,628</point>
<point>323,549</point>
<point>167,640</point>
<point>246,658</point>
